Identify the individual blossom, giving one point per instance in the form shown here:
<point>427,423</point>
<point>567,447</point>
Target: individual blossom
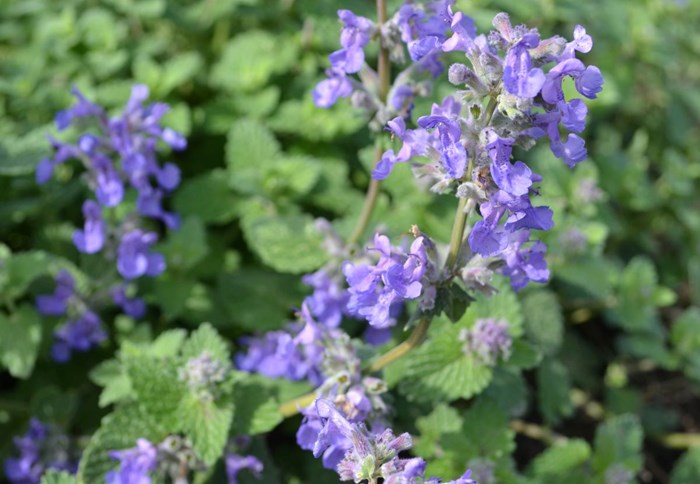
<point>41,448</point>
<point>135,464</point>
<point>236,463</point>
<point>134,307</point>
<point>56,304</point>
<point>134,258</point>
<point>80,334</point>
<point>488,340</point>
<point>92,238</point>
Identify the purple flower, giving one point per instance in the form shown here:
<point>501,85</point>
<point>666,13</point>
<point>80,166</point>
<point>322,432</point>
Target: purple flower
<point>519,77</point>
<point>77,335</point>
<point>327,92</point>
<point>149,204</point>
<point>134,258</point>
<point>396,276</point>
<point>44,171</point>
<point>236,463</point>
<point>42,448</point>
<point>329,299</point>
<point>281,354</point>
<point>452,152</point>
<point>134,464</point>
<point>56,303</point>
<point>488,339</point>
<point>82,109</point>
<point>525,263</point>
<point>463,33</point>
<point>134,307</point>
<point>92,238</point>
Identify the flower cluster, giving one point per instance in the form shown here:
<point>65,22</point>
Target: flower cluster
<point>396,277</point>
<point>173,457</point>
<point>469,144</point>
<point>488,339</point>
<point>43,447</point>
<point>366,456</point>
<point>235,462</point>
<point>117,153</point>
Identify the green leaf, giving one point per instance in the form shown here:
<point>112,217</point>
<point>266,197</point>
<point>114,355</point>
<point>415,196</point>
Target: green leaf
<point>20,155</point>
<point>289,244</point>
<point>172,294</point>
<point>250,58</point>
<point>439,371</point>
<point>685,332</point>
<point>20,336</point>
<point>23,268</point>
<point>553,387</point>
<point>179,70</point>
<point>303,118</point>
<point>207,423</point>
<point>207,197</point>
<point>561,458</point>
<point>111,375</point>
<point>443,419</point>
<point>256,408</point>
<point>635,309</point>
<point>523,355</point>
<point>503,305</point>
<point>187,246</point>
<point>453,301</point>
<point>250,147</point>
<point>206,338</point>
<point>687,470</point>
<point>168,343</point>
<point>618,441</point>
<point>544,323</point>
<point>157,387</point>
<point>53,476</point>
<point>258,300</point>
<point>118,430</point>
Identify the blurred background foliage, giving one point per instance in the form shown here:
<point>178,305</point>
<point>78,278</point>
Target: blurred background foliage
<point>615,386</point>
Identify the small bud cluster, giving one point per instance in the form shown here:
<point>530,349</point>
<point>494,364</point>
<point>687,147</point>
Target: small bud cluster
<point>488,339</point>
<point>43,447</point>
<point>117,153</point>
<point>202,374</point>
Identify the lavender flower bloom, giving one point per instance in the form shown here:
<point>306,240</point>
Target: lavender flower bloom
<point>82,109</point>
<point>92,238</point>
<point>328,301</point>
<point>236,463</point>
<point>327,92</point>
<point>134,258</point>
<point>56,303</point>
<point>525,264</point>
<point>488,339</point>
<point>41,448</point>
<point>396,276</point>
<point>295,354</point>
<point>134,307</point>
<point>134,464</point>
<point>78,335</point>
<point>362,456</point>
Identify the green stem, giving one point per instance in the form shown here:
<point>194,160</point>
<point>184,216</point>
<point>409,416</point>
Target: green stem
<point>368,206</point>
<point>414,340</point>
<point>384,75</point>
<point>457,233</point>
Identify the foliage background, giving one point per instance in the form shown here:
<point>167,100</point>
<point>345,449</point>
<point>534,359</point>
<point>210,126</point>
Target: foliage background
<point>617,330</point>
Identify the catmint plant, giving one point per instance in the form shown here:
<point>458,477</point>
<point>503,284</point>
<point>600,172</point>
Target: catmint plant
<point>119,156</point>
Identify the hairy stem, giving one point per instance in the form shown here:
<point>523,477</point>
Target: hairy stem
<point>457,233</point>
<point>368,206</point>
<point>384,75</point>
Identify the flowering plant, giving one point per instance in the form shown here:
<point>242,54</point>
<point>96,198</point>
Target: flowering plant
<point>206,295</point>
